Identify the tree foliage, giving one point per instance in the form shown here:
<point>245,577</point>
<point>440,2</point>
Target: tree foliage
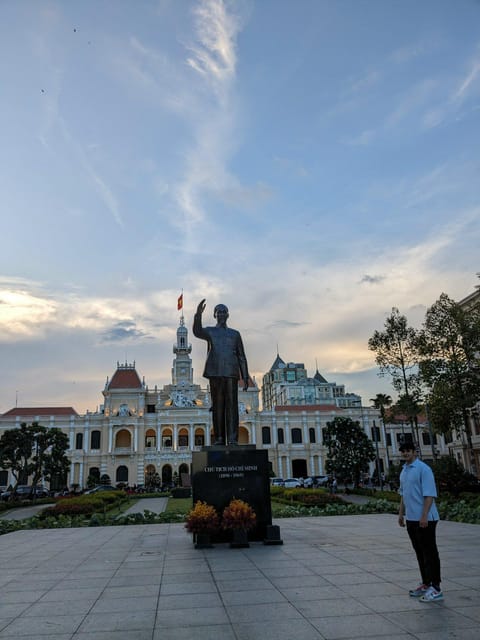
<point>396,352</point>
<point>449,349</point>
<point>33,450</point>
<point>349,449</point>
<point>16,452</point>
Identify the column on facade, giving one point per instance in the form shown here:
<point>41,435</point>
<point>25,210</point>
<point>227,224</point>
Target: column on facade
<point>175,437</point>
<point>288,464</point>
<point>253,429</point>
<point>208,440</point>
<point>318,428</point>
<point>191,438</point>
<point>280,467</point>
<point>306,439</point>
<point>110,438</point>
<point>135,438</point>
<point>140,470</point>
<point>72,438</point>
<point>274,432</point>
<point>85,437</point>
<point>159,439</point>
<point>80,475</point>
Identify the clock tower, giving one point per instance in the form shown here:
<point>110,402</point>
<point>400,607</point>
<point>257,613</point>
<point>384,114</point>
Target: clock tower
<point>182,372</point>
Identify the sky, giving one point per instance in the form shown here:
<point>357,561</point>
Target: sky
<point>311,164</point>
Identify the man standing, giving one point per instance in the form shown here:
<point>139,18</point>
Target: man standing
<point>225,363</point>
<point>417,506</point>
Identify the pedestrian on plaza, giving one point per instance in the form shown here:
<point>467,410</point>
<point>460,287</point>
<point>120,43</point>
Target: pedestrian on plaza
<point>334,485</point>
<point>418,509</point>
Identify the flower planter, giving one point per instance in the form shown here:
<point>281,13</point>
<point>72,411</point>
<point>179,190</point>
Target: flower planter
<point>240,539</point>
<point>202,541</point>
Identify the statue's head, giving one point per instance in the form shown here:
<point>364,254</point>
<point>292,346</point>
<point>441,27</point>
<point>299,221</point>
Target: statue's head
<point>220,313</point>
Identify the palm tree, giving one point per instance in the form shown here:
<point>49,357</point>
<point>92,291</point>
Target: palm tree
<point>381,401</point>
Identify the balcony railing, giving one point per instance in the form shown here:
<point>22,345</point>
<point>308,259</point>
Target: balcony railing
<point>119,451</point>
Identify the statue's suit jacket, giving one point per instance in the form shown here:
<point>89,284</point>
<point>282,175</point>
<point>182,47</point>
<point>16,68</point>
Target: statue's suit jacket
<point>225,353</point>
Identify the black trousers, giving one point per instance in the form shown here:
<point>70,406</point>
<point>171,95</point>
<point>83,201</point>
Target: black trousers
<point>425,546</point>
<point>224,392</point>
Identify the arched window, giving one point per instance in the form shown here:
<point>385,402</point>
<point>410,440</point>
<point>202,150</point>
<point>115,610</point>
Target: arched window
<point>94,472</point>
<point>296,436</point>
<point>266,437</point>
<point>79,441</point>
<point>122,474</point>
<point>311,434</point>
<point>280,436</point>
<point>95,440</point>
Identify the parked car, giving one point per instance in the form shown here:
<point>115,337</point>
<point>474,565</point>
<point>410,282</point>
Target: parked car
<point>102,487</point>
<point>307,483</point>
<point>277,482</point>
<point>25,491</point>
<point>320,481</point>
<point>292,483</point>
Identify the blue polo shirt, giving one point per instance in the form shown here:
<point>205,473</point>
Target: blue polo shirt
<point>416,483</point>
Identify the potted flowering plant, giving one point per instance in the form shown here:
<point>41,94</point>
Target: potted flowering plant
<point>239,517</point>
<point>202,521</point>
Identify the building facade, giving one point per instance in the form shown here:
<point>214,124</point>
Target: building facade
<point>140,431</point>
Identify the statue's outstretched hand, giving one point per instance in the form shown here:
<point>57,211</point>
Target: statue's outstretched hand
<point>201,307</point>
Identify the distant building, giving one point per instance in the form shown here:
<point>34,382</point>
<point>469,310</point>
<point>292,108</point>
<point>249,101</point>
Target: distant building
<point>287,384</point>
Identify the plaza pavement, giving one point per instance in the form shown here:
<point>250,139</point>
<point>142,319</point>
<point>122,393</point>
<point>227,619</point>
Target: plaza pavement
<point>334,577</point>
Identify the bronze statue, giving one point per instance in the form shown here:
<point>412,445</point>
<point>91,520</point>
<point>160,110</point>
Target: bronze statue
<point>225,364</point>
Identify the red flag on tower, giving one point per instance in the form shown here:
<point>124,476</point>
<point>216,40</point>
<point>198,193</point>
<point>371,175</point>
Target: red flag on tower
<point>180,302</point>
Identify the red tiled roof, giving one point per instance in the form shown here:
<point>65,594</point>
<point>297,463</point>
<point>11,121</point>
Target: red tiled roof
<point>41,411</point>
<point>125,379</point>
<point>306,407</point>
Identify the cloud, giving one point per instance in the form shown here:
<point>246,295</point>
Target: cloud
<point>214,54</point>
<point>124,331</point>
<point>286,324</point>
<point>372,279</point>
<point>467,83</point>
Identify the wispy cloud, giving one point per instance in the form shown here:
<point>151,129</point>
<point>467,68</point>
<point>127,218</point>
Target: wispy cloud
<point>214,55</point>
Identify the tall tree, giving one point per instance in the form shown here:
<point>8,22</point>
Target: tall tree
<point>397,355</point>
<point>16,452</point>
<point>349,449</point>
<point>33,450</point>
<point>381,402</point>
<point>49,459</point>
<point>449,348</point>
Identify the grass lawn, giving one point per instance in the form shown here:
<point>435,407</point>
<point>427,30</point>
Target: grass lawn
<point>179,505</point>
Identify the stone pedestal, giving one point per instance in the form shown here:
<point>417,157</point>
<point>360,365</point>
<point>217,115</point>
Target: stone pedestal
<point>220,474</point>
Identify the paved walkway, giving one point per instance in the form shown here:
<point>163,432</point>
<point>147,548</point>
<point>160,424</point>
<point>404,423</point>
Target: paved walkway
<point>334,578</point>
<point>157,505</point>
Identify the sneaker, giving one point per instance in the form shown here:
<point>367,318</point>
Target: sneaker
<point>431,595</point>
<point>419,591</point>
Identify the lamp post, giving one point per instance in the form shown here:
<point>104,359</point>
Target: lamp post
<point>377,434</point>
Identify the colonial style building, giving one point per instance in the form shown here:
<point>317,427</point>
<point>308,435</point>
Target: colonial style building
<point>139,430</point>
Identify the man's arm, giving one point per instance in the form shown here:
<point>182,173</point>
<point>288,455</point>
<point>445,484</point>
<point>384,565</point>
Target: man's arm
<point>242,363</point>
<point>427,503</point>
<point>401,513</point>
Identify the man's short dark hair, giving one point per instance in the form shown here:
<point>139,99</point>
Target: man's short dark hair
<point>407,446</point>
